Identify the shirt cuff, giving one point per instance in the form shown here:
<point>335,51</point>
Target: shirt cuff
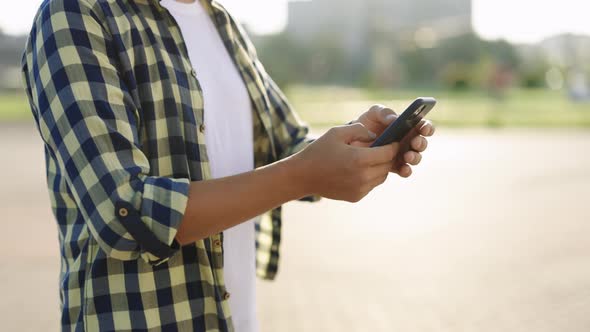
<point>154,224</point>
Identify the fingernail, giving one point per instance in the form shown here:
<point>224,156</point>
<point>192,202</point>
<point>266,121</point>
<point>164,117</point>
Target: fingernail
<point>389,118</point>
<point>372,134</point>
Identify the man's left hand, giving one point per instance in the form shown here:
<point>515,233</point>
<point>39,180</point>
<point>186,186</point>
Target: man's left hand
<point>378,117</point>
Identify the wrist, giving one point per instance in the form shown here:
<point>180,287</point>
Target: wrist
<point>296,173</point>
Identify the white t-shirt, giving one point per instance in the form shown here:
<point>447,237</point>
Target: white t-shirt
<point>229,141</point>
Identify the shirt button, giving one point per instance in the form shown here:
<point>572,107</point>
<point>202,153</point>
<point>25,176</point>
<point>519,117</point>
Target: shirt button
<point>194,73</point>
<point>226,296</point>
<point>217,243</point>
<point>202,128</point>
<point>123,212</point>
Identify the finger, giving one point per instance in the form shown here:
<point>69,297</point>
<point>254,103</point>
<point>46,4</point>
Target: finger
<point>427,129</point>
<point>419,143</point>
<point>405,171</point>
<point>355,132</point>
<point>413,133</point>
<point>376,109</point>
<point>382,114</point>
<point>387,116</point>
<point>378,155</point>
<point>396,165</point>
<point>412,158</point>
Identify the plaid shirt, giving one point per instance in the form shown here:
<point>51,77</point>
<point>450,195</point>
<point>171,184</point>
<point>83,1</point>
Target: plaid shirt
<point>120,110</point>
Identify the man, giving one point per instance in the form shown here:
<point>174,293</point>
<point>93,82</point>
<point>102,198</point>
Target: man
<point>164,139</point>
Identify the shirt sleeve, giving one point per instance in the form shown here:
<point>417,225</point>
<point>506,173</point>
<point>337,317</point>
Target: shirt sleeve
<point>89,123</point>
<point>291,134</point>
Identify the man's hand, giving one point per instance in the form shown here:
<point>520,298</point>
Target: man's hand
<point>331,167</point>
<point>411,147</point>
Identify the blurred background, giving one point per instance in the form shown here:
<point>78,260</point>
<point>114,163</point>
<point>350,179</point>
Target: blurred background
<point>491,234</point>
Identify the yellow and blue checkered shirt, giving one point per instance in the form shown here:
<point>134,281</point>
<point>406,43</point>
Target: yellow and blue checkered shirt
<point>120,110</point>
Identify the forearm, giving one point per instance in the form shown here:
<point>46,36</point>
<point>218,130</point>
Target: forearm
<point>219,204</point>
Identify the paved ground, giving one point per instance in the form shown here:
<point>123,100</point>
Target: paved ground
<point>493,234</point>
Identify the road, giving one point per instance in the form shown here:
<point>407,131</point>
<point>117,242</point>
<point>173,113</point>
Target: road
<point>491,234</point>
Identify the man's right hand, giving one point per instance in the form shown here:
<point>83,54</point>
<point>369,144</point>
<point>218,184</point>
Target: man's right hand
<point>332,168</point>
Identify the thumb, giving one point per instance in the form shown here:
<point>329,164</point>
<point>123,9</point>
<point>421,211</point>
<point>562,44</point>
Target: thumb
<point>386,116</point>
<point>357,132</point>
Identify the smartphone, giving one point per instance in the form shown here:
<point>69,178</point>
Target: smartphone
<point>409,119</point>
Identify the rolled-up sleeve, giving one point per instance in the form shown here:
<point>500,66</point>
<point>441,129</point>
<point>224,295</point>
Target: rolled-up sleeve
<point>89,123</point>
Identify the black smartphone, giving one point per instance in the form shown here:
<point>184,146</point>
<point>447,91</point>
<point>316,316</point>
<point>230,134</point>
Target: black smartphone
<point>409,119</point>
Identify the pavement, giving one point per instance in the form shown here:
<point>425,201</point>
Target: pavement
<point>491,234</point>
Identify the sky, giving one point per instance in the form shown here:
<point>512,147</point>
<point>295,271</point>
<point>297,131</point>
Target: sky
<point>521,21</point>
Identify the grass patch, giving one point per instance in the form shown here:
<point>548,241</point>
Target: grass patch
<point>520,108</point>
<point>328,106</point>
<point>14,107</point>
